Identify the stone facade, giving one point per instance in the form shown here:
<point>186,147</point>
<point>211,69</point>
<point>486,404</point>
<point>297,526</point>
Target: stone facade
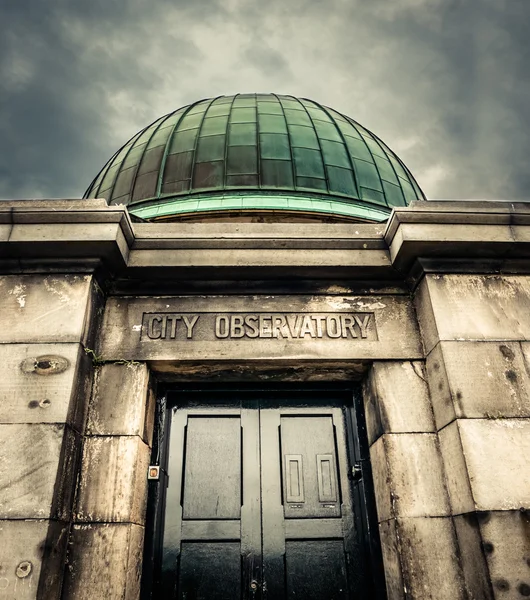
<point>429,312</point>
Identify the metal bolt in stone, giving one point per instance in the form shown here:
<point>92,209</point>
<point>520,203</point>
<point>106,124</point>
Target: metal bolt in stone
<point>24,569</point>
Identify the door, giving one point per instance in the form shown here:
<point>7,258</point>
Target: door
<point>260,502</point>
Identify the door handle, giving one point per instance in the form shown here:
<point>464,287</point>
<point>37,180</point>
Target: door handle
<point>356,472</point>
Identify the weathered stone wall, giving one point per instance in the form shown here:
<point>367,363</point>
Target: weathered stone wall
<point>450,441</point>
<point>448,424</point>
<point>46,378</point>
<point>475,330</point>
<point>418,539</point>
<point>105,560</point>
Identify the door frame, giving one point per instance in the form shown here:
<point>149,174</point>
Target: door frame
<point>362,489</point>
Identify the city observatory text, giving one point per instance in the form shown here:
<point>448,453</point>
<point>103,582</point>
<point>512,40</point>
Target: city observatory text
<point>173,326</point>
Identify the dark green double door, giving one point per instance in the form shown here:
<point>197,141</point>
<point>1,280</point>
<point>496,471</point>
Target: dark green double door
<point>259,503</point>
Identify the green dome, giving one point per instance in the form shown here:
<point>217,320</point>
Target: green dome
<point>256,152</point>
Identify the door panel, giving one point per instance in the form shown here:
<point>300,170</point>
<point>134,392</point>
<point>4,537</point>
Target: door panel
<point>304,474</point>
<point>212,532</point>
<point>310,471</point>
<point>212,473</point>
<point>316,570</point>
<point>259,503</point>
<point>210,570</point>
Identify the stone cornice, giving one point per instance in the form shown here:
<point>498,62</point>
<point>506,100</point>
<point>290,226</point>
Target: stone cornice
<point>69,234</point>
<point>458,236</point>
<point>449,236</point>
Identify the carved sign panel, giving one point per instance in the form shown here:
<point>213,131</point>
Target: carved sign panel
<point>268,328</point>
<point>248,326</point>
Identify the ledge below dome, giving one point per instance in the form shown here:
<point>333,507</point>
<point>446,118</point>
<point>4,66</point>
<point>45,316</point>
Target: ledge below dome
<point>259,207</point>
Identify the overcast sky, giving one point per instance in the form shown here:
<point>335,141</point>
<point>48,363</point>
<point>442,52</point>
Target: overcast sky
<point>445,83</point>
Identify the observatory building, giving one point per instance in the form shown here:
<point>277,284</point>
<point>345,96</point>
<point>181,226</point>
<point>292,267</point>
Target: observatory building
<point>255,362</point>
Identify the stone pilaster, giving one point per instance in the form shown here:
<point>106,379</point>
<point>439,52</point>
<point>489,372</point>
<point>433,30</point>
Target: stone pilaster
<point>107,537</point>
<point>45,322</point>
<point>417,534</point>
<point>474,329</point>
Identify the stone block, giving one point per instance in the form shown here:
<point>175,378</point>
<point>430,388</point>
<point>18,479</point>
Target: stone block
<point>45,309</point>
<point>425,314</point>
<point>396,399</point>
<point>113,485</point>
<point>473,569</point>
<point>440,392</point>
<point>429,559</point>
<point>506,543</point>
<point>391,560</point>
<point>478,380</point>
<point>5,231</point>
<point>119,400</point>
<point>32,555</point>
<point>408,476</point>
<point>487,379</point>
<point>497,454</point>
<point>105,562</point>
<point>476,575</point>
<point>473,307</point>
<point>232,258</point>
<point>44,383</point>
<point>381,480</point>
<point>37,471</point>
<point>456,470</point>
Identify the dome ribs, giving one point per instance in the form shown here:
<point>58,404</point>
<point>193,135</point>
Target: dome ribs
<point>256,153</point>
<point>328,113</point>
<point>135,180</point>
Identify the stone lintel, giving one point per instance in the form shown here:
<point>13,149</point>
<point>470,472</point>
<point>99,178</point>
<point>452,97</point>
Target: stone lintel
<point>242,328</point>
<point>295,371</point>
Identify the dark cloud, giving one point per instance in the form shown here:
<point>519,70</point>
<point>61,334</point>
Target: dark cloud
<point>444,82</point>
<point>267,60</point>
